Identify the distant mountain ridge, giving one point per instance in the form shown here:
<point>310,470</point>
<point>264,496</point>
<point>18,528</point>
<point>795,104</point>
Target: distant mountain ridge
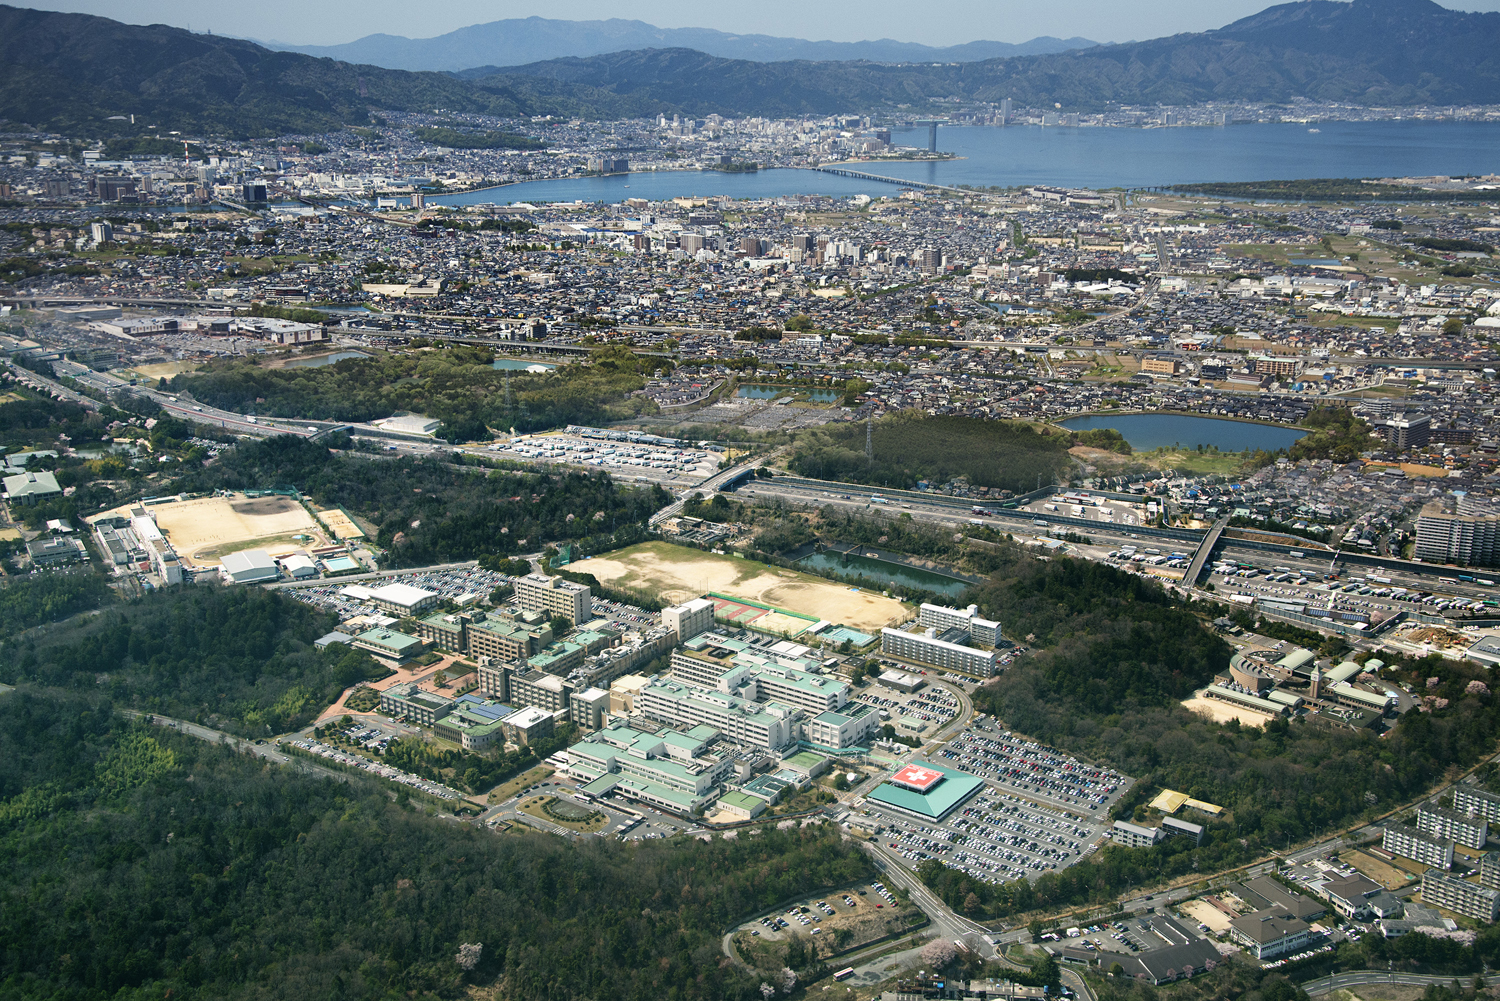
<point>86,75</point>
<point>518,41</point>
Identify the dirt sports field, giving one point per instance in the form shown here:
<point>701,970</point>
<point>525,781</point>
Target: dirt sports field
<point>678,574</point>
<point>1223,712</point>
<point>206,529</point>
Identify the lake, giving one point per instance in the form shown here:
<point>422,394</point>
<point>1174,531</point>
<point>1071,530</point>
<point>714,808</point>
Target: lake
<point>819,395</point>
<point>322,360</point>
<point>1076,157</point>
<point>885,574</point>
<point>1148,431</point>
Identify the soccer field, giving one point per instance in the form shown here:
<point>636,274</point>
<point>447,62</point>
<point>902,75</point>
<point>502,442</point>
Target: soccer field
<point>677,574</point>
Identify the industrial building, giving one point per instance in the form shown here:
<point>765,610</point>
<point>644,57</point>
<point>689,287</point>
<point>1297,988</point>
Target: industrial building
<point>1408,842</point>
<point>1472,900</point>
<point>537,592</point>
<point>252,566</point>
<point>56,551</point>
<point>928,649</point>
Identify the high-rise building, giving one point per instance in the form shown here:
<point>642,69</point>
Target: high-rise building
<point>930,260</point>
<point>1005,110</point>
<point>1457,530</point>
<point>537,592</point>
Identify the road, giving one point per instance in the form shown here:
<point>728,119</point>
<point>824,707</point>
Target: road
<point>267,751</point>
<point>714,483</point>
<point>1327,985</point>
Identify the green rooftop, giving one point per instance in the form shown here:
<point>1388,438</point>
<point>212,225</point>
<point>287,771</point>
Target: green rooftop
<point>938,802</point>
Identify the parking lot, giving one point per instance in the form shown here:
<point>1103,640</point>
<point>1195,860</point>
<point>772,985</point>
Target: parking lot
<point>933,706</point>
<point>451,584</point>
<point>855,915</point>
<point>1132,935</point>
<point>997,838</point>
<point>1035,770</point>
<point>662,462</point>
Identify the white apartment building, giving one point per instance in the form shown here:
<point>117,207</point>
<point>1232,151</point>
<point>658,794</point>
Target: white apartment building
<point>1408,842</point>
<point>1440,822</point>
<point>926,649</point>
<point>1472,900</point>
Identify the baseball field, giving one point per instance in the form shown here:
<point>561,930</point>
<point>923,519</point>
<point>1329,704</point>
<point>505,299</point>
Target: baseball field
<point>677,574</point>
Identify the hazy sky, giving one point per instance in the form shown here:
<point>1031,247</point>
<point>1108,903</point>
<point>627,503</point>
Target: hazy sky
<point>946,22</point>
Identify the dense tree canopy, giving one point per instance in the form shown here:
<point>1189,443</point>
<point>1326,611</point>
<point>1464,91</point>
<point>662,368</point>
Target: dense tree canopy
<point>137,863</point>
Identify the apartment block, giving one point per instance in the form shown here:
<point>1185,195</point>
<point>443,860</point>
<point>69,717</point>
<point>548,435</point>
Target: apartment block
<point>927,649</point>
<point>1408,842</point>
<point>1134,835</point>
<point>1468,799</point>
<point>1472,900</point>
<point>1441,822</point>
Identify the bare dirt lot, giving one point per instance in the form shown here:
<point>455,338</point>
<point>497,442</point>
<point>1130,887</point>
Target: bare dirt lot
<point>678,574</point>
<point>1223,712</point>
<point>206,529</point>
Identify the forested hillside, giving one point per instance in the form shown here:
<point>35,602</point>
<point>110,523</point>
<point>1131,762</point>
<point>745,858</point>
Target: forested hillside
<point>456,385</point>
<point>135,864</point>
<point>1114,655</point>
<point>239,659</point>
<point>429,511</point>
<point>911,446</point>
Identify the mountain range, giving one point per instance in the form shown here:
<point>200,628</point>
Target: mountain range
<point>74,72</point>
<point>517,41</point>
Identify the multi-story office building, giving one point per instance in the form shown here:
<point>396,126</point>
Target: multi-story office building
<point>1468,799</point>
<point>689,618</point>
<point>1408,842</point>
<point>589,708</point>
<point>668,769</point>
<point>927,649</point>
<point>759,680</point>
<point>1270,933</point>
<point>743,721</point>
<point>527,687</point>
<point>1441,822</point>
<point>407,701</point>
<point>537,592</point>
<point>1134,835</point>
<point>446,632</point>
<point>1408,431</point>
<point>1472,900</point>
<point>855,724</point>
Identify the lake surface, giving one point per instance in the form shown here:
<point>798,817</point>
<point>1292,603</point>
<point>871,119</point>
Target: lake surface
<point>759,392</point>
<point>1078,157</point>
<point>885,574</point>
<point>519,364</point>
<point>1148,431</point>
<point>319,362</point>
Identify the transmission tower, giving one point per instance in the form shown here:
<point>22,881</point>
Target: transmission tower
<point>507,392</point>
<point>870,440</point>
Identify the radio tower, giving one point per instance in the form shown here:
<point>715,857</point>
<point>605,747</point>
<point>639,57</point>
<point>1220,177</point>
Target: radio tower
<point>870,440</point>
